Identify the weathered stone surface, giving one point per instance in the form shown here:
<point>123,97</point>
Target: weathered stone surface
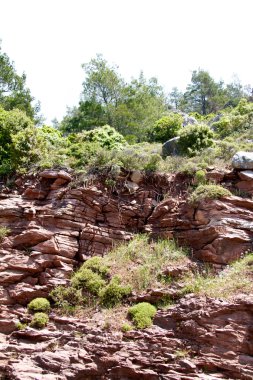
<point>246,175</point>
<point>51,236</point>
<point>136,176</point>
<point>31,237</point>
<point>200,338</point>
<point>243,160</point>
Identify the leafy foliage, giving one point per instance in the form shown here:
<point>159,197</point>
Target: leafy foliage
<point>166,128</point>
<point>195,138</point>
<point>4,231</point>
<point>106,99</point>
<point>208,192</point>
<point>113,293</point>
<point>39,320</point>
<point>13,91</point>
<point>106,136</point>
<point>87,279</point>
<point>142,314</point>
<point>19,145</point>
<point>39,304</point>
<point>67,298</point>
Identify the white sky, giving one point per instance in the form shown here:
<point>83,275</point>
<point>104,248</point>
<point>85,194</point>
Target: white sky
<point>50,39</point>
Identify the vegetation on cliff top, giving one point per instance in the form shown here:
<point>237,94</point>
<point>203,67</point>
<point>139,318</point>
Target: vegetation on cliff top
<point>119,123</point>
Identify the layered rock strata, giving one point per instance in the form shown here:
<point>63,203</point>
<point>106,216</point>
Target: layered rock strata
<point>200,338</point>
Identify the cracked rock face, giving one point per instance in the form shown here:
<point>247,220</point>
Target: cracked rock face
<point>55,227</point>
<point>50,236</point>
<point>200,338</point>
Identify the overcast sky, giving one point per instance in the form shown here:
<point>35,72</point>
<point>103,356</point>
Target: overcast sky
<point>50,39</point>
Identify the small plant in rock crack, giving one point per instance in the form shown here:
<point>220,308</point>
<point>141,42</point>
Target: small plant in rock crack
<point>39,304</point>
<point>142,314</point>
<point>4,231</point>
<point>39,320</point>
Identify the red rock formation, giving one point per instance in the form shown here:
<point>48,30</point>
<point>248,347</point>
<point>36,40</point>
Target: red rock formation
<point>50,236</point>
<point>200,338</point>
<point>55,227</point>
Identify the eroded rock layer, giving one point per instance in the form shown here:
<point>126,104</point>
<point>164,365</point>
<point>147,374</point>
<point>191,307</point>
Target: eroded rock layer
<point>55,226</point>
<point>200,338</point>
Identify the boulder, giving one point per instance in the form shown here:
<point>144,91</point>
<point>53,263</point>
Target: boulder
<point>246,175</point>
<point>243,160</point>
<point>170,147</point>
<point>136,176</point>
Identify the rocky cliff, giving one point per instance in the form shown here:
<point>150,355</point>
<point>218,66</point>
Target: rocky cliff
<point>56,224</point>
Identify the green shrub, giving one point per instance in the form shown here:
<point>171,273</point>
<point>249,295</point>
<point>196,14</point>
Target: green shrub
<point>126,327</point>
<point>195,138</point>
<point>113,293</point>
<point>142,314</point>
<point>18,141</point>
<point>200,177</point>
<point>39,304</point>
<point>153,163</point>
<point>229,124</point>
<point>67,297</point>
<point>39,320</point>
<point>88,280</point>
<point>106,136</point>
<point>4,231</point>
<point>208,192</point>
<point>166,128</point>
<point>21,326</point>
<point>96,265</point>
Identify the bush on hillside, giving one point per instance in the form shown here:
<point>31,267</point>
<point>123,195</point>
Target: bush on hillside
<point>142,314</point>
<point>106,136</point>
<point>39,320</point>
<point>39,304</point>
<point>195,138</point>
<point>208,192</point>
<point>113,293</point>
<point>19,144</point>
<point>165,128</point>
<point>88,280</point>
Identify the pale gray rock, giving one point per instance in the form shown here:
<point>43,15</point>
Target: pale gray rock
<point>243,160</point>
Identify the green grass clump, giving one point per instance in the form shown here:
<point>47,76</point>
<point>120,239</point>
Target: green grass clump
<point>21,326</point>
<point>96,265</point>
<point>67,298</point>
<point>39,304</point>
<point>4,231</point>
<point>88,280</point>
<point>142,314</point>
<point>139,263</point>
<point>113,293</point>
<point>200,177</point>
<point>235,279</point>
<point>203,192</point>
<point>39,320</point>
<point>126,327</point>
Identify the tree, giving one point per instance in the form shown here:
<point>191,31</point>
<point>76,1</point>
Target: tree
<point>146,103</point>
<point>13,90</point>
<point>201,93</point>
<point>102,85</point>
<point>88,115</point>
<point>175,97</point>
<point>106,99</point>
<point>19,145</point>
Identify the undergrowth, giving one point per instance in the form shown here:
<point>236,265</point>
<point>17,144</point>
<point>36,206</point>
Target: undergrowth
<point>235,279</point>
